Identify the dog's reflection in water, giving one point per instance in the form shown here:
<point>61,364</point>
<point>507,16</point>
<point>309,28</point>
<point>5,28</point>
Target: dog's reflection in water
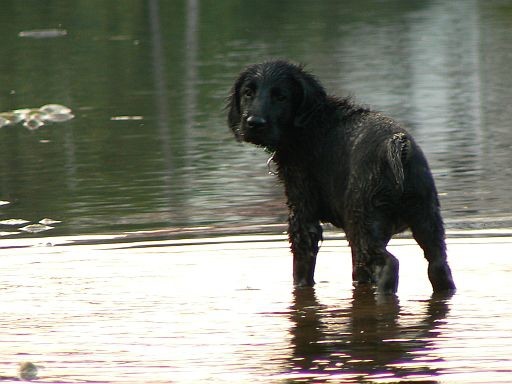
<point>372,336</point>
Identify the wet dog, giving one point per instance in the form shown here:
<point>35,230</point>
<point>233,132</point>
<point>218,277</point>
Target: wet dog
<point>343,164</point>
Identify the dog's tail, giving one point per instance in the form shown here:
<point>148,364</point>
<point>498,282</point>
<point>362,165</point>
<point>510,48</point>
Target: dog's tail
<point>398,150</point>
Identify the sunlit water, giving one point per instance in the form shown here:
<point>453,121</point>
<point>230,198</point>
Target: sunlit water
<point>223,310</point>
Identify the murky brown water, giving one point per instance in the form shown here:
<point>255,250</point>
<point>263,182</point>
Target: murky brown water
<point>224,310</point>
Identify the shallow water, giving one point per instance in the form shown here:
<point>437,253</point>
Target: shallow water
<point>223,310</point>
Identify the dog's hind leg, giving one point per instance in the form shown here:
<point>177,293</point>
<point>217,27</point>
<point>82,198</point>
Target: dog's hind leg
<point>374,264</point>
<point>371,262</point>
<point>428,232</point>
<point>385,270</point>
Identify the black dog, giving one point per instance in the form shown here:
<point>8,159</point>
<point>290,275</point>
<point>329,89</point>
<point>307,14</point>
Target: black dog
<point>343,164</point>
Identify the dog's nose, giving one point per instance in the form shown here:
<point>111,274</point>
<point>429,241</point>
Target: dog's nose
<point>256,121</point>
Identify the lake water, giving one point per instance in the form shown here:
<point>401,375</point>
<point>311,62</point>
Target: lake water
<point>167,261</point>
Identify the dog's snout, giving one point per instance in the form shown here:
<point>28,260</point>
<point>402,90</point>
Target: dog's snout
<point>256,121</point>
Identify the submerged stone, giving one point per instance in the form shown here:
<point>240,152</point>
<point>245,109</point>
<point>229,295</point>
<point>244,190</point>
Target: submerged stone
<point>27,371</point>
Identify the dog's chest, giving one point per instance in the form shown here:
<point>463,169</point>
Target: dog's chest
<point>317,197</point>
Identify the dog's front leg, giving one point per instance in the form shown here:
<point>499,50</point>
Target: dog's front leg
<point>304,236</point>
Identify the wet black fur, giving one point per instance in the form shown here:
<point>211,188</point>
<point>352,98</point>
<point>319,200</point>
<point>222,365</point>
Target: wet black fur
<point>344,164</point>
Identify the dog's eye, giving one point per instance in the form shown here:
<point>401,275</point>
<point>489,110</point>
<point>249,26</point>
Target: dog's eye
<point>248,93</point>
<point>278,95</point>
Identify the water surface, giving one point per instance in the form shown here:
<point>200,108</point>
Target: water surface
<point>146,277</point>
<point>223,310</point>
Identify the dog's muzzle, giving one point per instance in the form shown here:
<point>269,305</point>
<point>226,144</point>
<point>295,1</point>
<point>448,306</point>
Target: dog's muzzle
<point>256,122</point>
<point>258,130</point>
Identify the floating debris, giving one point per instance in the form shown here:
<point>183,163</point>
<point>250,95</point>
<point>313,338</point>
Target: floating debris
<point>56,109</point>
<point>58,117</point>
<point>126,118</point>
<point>22,112</point>
<point>33,123</point>
<point>27,371</point>
<point>35,228</point>
<point>43,33</point>
<point>3,202</point>
<point>47,221</point>
<point>119,38</point>
<point>11,118</point>
<point>4,121</point>
<point>14,222</point>
<point>35,118</point>
<point>9,233</point>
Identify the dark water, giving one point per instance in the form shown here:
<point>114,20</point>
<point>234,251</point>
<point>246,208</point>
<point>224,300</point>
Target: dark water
<point>146,80</point>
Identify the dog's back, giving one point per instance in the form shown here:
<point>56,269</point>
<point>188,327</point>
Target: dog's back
<point>385,170</point>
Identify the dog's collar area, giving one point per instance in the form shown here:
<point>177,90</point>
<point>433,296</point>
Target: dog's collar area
<point>270,161</point>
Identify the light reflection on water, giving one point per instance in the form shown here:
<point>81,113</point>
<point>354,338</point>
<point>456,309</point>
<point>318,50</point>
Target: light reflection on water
<point>224,310</point>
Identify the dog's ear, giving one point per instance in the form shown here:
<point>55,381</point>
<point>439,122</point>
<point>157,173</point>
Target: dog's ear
<point>233,107</point>
<point>313,97</point>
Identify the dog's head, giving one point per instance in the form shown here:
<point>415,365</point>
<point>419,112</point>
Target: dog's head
<point>270,100</point>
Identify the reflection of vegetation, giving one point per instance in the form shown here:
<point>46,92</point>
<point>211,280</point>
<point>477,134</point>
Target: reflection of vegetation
<point>176,165</point>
